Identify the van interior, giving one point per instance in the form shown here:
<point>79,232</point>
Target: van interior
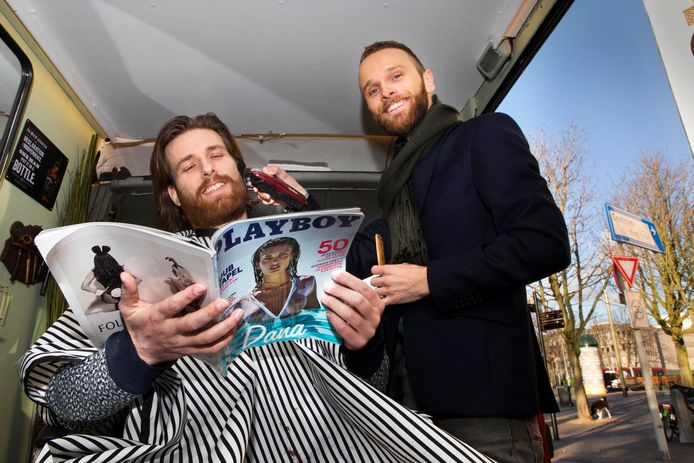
<point>281,73</point>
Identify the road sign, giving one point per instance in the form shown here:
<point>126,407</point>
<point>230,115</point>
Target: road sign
<point>637,309</point>
<point>632,229</point>
<point>626,266</point>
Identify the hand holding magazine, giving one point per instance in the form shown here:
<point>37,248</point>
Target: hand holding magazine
<point>272,267</point>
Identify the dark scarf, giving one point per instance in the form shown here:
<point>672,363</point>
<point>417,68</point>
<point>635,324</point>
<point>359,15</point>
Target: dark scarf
<point>394,195</point>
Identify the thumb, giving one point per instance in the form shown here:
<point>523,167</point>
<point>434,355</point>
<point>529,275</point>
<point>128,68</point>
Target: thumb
<point>271,169</point>
<point>129,293</point>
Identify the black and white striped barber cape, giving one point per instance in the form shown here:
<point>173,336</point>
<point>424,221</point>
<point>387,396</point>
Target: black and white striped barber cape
<point>284,402</point>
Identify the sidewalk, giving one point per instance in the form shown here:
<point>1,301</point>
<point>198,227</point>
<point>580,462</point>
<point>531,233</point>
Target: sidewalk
<point>627,437</point>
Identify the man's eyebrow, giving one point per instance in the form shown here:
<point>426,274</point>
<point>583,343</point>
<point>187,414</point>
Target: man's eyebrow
<point>390,69</point>
<point>215,147</point>
<point>182,160</point>
<point>209,149</point>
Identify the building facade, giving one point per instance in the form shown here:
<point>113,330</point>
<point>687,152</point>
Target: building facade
<point>659,348</point>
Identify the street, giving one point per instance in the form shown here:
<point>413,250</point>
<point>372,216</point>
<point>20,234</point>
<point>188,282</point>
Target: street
<point>627,437</point>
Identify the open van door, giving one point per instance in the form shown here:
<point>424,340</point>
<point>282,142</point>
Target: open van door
<point>282,74</point>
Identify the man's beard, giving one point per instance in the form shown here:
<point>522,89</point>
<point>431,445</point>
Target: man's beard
<point>403,124</point>
<point>203,213</point>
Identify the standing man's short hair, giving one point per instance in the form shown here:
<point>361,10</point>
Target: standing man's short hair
<point>170,216</point>
<point>384,44</point>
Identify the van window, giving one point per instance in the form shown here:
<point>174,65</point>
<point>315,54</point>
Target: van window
<point>15,80</point>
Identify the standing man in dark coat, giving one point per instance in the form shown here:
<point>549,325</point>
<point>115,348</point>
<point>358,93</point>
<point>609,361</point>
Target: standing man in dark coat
<point>468,222</point>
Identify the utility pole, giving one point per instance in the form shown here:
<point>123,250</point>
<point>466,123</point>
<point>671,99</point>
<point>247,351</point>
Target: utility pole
<point>617,349</point>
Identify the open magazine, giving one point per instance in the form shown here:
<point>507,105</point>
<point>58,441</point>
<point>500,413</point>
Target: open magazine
<point>272,267</point>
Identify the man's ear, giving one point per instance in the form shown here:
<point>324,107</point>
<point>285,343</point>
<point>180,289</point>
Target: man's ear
<point>429,84</point>
<point>173,194</point>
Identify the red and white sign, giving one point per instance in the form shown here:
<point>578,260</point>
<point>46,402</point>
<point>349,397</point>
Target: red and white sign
<point>626,266</point>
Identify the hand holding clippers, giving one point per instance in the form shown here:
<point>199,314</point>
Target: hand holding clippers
<point>278,189</point>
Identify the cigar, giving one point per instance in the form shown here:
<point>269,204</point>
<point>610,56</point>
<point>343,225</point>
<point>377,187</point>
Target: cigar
<point>380,251</point>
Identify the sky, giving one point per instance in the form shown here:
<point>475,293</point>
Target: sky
<point>601,70</point>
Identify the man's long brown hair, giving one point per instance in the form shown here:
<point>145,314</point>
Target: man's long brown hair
<point>170,216</point>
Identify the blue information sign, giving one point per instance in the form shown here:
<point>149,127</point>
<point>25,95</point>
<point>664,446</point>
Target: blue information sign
<point>632,229</point>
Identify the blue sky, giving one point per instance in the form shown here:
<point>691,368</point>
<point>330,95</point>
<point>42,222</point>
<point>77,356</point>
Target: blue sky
<point>602,70</point>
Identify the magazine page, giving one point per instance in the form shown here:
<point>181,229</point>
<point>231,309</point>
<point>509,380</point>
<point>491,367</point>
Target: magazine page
<point>86,261</point>
<point>274,268</point>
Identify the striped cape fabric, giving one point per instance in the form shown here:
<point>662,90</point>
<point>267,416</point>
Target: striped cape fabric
<point>284,402</point>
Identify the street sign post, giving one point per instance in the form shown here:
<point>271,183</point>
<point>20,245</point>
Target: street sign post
<point>626,227</point>
<point>631,229</point>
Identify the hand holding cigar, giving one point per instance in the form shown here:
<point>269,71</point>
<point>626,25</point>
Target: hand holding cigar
<point>398,283</point>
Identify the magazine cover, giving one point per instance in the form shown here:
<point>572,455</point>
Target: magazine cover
<point>271,267</point>
<point>274,269</point>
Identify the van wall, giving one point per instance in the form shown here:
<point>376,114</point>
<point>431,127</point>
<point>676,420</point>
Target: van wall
<point>55,114</point>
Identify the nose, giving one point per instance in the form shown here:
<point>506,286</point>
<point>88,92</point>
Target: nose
<point>387,91</point>
<point>206,168</point>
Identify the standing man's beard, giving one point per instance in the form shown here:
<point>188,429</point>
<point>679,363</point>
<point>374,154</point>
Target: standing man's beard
<point>404,123</point>
<point>202,213</point>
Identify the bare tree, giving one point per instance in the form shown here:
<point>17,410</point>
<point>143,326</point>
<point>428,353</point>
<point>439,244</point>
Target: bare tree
<point>561,158</point>
<point>664,192</point>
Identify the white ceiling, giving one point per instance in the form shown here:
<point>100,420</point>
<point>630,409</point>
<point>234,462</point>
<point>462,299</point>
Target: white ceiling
<point>261,65</point>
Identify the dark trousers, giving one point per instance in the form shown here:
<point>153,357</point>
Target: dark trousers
<point>512,440</point>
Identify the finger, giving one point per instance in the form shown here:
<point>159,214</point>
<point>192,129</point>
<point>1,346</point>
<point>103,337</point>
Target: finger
<point>264,197</point>
<point>336,305</point>
<point>129,293</point>
<point>358,287</point>
<point>358,311</point>
<point>345,312</point>
<point>212,334</point>
<point>234,318</point>
<point>217,346</point>
<point>379,269</point>
<point>280,173</point>
<point>174,304</point>
<point>351,339</point>
<point>383,293</point>
<point>378,281</point>
<point>202,318</point>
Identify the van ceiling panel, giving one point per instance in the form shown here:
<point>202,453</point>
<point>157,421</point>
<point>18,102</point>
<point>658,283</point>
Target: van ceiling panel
<point>262,66</point>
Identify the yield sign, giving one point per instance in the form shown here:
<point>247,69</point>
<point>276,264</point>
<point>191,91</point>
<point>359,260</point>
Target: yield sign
<point>626,267</point>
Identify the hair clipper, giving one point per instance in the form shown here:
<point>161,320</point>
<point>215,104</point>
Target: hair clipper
<point>278,189</point>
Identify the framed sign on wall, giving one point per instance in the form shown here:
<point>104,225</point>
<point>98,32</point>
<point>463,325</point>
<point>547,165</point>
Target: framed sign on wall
<point>37,166</point>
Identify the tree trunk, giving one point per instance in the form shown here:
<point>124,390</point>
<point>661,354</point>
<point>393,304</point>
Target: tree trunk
<point>683,363</point>
<point>582,407</point>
